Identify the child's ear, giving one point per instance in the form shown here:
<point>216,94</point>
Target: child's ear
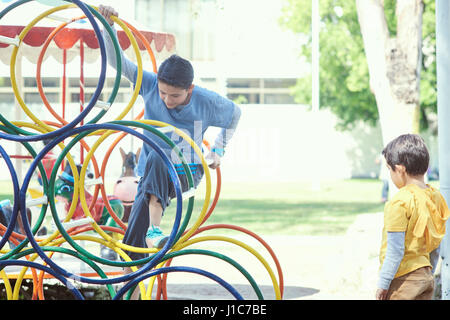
<point>400,168</point>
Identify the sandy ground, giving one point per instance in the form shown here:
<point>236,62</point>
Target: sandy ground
<point>313,267</point>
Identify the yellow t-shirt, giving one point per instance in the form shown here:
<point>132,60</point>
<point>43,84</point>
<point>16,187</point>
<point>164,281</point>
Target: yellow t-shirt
<point>421,214</point>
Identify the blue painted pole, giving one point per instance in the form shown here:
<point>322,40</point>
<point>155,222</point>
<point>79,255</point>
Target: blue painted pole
<point>443,102</point>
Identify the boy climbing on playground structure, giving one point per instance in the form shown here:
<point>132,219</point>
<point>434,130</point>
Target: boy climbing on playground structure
<point>170,96</point>
<point>414,224</point>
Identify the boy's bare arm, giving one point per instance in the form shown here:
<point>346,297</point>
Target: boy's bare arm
<point>107,12</point>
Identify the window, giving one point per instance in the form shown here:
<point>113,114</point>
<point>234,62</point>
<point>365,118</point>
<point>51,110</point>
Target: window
<point>244,98</point>
<point>278,98</point>
<point>191,21</point>
<point>124,83</point>
<point>53,90</point>
<point>208,80</point>
<point>5,82</point>
<point>50,82</point>
<point>33,97</point>
<point>75,97</point>
<point>260,90</point>
<point>279,83</point>
<point>6,98</point>
<point>244,83</point>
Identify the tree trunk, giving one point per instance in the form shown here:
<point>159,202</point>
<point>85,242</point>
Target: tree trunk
<point>394,63</point>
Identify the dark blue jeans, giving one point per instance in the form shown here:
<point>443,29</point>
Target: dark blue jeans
<point>156,181</point>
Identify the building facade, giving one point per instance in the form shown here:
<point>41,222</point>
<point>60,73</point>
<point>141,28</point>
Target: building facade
<point>239,50</point>
<point>237,46</point>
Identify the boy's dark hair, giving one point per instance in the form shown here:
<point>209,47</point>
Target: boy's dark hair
<point>410,151</point>
<point>177,72</point>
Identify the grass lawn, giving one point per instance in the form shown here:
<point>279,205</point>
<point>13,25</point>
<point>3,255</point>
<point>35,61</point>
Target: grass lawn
<point>290,208</point>
<point>282,208</point>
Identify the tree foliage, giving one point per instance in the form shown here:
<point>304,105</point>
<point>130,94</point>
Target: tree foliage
<point>344,76</point>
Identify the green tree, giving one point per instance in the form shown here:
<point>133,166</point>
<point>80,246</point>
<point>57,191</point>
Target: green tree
<point>344,76</point>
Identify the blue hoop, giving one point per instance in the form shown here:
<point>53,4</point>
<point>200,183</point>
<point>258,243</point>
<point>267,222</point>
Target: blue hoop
<point>210,275</point>
<point>96,94</point>
<point>94,127</point>
<point>15,182</point>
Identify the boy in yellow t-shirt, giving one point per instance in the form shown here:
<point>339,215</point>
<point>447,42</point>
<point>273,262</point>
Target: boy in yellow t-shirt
<point>414,224</point>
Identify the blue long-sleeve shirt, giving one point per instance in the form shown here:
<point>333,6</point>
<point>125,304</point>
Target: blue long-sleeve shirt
<point>394,255</point>
<point>205,108</point>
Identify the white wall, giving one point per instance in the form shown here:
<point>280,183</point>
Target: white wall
<point>290,143</point>
<point>277,143</point>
